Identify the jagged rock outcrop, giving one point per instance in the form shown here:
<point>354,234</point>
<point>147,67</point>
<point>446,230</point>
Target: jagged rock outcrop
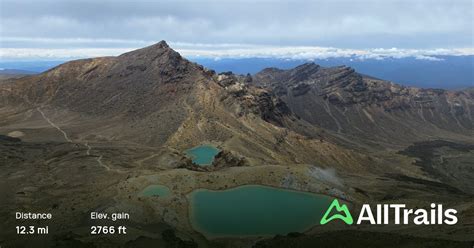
<point>255,100</point>
<point>342,100</point>
<point>224,159</point>
<point>228,159</point>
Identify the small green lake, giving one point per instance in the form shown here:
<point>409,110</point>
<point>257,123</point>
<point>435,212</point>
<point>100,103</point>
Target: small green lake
<point>203,155</point>
<point>255,210</point>
<point>155,190</point>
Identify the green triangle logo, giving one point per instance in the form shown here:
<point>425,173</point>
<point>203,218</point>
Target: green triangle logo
<point>346,216</point>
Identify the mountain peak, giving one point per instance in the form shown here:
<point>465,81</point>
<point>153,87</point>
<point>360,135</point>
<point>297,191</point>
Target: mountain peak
<point>161,44</point>
<point>307,68</point>
<point>307,64</point>
<point>157,48</point>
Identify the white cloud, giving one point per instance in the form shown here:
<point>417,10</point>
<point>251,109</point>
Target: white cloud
<point>53,54</point>
<point>220,51</point>
<point>339,23</point>
<point>69,41</point>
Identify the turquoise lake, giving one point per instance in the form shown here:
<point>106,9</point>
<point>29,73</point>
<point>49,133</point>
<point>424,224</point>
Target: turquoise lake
<point>255,210</point>
<point>203,155</point>
<point>155,190</point>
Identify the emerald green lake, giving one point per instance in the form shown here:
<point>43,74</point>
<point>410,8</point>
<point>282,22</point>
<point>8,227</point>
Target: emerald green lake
<point>203,155</point>
<point>255,210</point>
<point>156,190</point>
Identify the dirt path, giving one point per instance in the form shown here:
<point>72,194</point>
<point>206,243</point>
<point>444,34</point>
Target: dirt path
<point>89,148</point>
<point>54,125</point>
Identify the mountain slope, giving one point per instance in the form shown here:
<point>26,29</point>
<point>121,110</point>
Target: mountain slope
<point>345,102</point>
<point>154,97</point>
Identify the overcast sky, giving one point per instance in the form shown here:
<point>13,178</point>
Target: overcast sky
<point>38,29</point>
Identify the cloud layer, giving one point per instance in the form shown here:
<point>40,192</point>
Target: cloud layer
<point>219,51</point>
<point>90,28</point>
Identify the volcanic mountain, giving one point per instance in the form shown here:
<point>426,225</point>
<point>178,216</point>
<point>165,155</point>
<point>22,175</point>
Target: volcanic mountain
<point>154,97</point>
<point>369,109</point>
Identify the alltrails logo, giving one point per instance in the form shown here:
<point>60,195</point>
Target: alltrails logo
<point>345,216</point>
<point>383,212</point>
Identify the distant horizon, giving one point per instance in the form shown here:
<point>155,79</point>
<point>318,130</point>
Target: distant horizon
<point>449,72</point>
<point>236,51</point>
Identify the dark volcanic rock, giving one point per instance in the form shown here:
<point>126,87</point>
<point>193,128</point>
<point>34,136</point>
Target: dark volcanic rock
<point>342,100</point>
<point>223,159</point>
<point>300,89</point>
<point>228,159</point>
